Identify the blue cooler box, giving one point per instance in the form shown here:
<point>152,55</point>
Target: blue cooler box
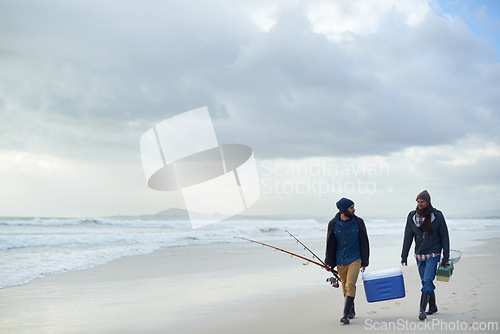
<point>383,284</point>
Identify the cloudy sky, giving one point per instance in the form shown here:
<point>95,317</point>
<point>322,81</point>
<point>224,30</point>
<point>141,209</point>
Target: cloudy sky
<point>371,100</point>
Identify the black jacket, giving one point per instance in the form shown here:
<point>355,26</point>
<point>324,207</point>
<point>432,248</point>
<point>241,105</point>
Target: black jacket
<point>331,243</point>
<point>426,243</point>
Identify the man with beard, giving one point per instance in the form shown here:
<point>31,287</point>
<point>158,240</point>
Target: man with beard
<point>427,226</point>
<point>347,249</point>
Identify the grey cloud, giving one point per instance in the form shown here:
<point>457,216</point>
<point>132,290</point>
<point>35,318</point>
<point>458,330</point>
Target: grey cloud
<point>361,102</point>
<point>96,75</point>
<point>91,71</point>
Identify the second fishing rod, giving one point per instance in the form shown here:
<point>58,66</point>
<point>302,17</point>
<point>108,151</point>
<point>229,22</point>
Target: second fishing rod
<point>334,281</point>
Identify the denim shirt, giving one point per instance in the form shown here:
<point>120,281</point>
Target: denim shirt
<point>347,235</point>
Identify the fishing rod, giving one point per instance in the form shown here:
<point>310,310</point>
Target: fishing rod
<point>307,248</point>
<point>285,251</point>
<point>332,280</point>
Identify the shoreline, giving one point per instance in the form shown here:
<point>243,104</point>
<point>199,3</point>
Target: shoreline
<point>241,287</point>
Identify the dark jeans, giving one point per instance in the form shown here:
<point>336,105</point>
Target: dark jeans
<point>427,270</point>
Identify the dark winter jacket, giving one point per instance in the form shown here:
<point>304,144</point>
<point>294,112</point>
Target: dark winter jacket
<point>331,243</point>
<point>426,243</point>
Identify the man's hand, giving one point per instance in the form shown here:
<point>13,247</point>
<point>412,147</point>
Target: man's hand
<point>363,269</point>
<point>403,264</point>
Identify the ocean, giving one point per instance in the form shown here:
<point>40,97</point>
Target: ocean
<point>31,248</point>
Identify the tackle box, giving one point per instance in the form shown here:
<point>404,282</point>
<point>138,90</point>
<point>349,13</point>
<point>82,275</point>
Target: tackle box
<point>444,273</point>
<point>383,284</point>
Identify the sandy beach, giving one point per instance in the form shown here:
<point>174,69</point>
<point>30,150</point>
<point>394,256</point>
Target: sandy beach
<point>244,288</point>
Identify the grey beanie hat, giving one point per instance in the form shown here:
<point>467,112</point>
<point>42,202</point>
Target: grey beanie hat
<point>425,196</point>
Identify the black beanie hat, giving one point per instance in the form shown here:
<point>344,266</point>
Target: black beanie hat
<point>425,196</point>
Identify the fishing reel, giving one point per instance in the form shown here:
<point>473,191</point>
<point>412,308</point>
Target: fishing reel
<point>333,281</point>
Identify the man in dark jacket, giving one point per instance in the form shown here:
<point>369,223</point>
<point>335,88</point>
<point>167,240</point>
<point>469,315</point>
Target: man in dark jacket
<point>427,227</point>
<point>347,248</point>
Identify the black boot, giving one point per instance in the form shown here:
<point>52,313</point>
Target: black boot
<point>432,304</point>
<point>424,299</point>
<point>352,313</point>
<point>347,309</point>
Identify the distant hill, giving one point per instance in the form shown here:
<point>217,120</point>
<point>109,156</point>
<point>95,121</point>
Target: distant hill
<point>172,213</point>
<point>182,214</point>
<point>495,214</point>
<point>169,214</point>
<point>484,214</point>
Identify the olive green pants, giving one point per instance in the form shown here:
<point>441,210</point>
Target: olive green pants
<point>348,276</point>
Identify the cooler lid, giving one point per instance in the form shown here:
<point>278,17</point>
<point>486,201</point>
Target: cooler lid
<point>369,275</point>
